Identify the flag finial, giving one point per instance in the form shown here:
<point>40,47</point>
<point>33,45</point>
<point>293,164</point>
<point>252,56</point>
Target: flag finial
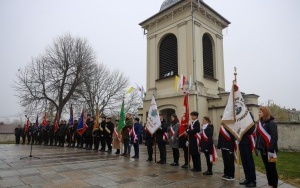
<point>235,73</point>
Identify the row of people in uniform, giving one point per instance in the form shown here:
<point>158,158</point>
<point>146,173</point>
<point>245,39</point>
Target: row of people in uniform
<point>190,143</point>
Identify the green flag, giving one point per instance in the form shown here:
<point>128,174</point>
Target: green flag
<point>122,117</point>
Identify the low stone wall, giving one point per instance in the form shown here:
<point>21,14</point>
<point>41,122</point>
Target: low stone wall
<point>7,137</point>
<point>288,135</point>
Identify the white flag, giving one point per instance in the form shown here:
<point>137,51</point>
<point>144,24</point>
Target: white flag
<point>153,120</point>
<point>236,117</point>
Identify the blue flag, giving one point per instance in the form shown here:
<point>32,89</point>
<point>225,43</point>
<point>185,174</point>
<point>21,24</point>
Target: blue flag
<point>82,123</point>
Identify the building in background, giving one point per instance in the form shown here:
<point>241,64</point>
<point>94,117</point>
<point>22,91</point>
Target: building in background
<point>185,38</point>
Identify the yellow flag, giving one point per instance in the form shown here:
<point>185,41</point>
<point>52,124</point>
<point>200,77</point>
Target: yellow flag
<point>130,90</point>
<point>176,83</point>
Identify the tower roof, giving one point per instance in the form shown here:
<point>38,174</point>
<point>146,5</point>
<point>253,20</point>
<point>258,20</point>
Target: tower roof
<point>167,4</point>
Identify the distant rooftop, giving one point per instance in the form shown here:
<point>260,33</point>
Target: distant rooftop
<point>5,128</point>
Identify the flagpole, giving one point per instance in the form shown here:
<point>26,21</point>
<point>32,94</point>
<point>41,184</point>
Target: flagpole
<point>154,140</point>
<point>189,160</point>
<point>237,149</point>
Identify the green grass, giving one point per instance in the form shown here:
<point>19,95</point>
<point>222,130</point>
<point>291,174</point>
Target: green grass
<point>288,166</point>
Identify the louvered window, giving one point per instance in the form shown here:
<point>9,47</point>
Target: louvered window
<point>168,62</point>
<point>208,60</point>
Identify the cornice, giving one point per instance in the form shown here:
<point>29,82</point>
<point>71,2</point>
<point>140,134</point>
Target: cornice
<point>182,23</point>
<point>162,16</point>
<point>219,36</point>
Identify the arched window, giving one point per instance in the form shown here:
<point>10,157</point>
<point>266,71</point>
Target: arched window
<point>168,60</point>
<point>208,60</point>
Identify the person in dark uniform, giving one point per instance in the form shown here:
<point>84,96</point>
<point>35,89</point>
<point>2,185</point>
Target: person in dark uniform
<point>74,141</point>
<point>207,144</point>
<point>89,132</point>
<point>194,129</point>
<point>102,136</point>
<point>46,135</point>
<point>247,158</point>
<point>39,135</point>
<point>268,148</point>
<point>108,132</point>
<point>149,140</point>
<point>137,128</point>
<point>226,143</point>
<point>34,133</point>
<point>29,133</point>
<point>161,143</point>
<point>18,133</point>
<point>125,134</point>
<point>62,133</point>
<point>23,135</point>
<point>51,134</point>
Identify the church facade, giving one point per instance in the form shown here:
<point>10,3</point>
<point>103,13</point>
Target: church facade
<point>185,38</point>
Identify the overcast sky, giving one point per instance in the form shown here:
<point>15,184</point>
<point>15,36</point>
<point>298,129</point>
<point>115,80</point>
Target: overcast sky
<point>262,41</point>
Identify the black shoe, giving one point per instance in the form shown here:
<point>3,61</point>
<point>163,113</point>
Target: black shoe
<point>158,162</point>
<point>195,170</point>
<point>162,162</point>
<point>108,151</point>
<point>245,182</point>
<point>185,166</point>
<point>149,160</point>
<point>251,184</point>
<point>207,173</point>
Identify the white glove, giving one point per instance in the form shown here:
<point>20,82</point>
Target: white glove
<point>187,143</point>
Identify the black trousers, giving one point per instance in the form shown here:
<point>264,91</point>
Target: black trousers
<point>248,162</point>
<point>150,151</point>
<point>28,139</point>
<point>271,170</point>
<point>136,149</point>
<point>228,161</point>
<point>162,151</point>
<point>126,146</point>
<point>88,141</point>
<point>208,163</point>
<point>196,161</point>
<point>109,141</point>
<point>18,139</point>
<point>96,142</point>
<point>103,143</point>
<point>175,155</point>
<point>186,155</point>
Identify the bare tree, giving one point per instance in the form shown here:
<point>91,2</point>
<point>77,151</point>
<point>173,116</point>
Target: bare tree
<point>56,75</point>
<point>103,88</point>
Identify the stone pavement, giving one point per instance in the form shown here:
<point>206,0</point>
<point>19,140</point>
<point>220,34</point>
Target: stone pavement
<point>72,167</point>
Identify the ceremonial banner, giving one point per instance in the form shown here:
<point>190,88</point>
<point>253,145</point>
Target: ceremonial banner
<point>96,124</point>
<point>236,117</point>
<point>153,120</point>
<point>44,122</point>
<point>185,116</point>
<point>122,117</point>
<point>27,123</point>
<point>56,122</point>
<point>82,126</point>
